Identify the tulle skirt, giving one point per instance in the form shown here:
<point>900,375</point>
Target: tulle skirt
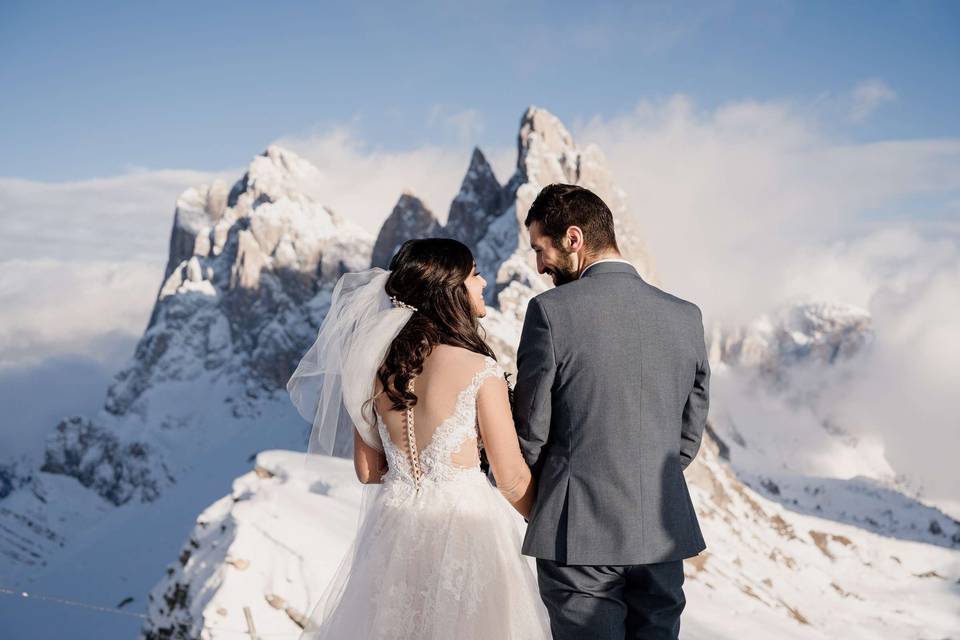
<point>441,563</point>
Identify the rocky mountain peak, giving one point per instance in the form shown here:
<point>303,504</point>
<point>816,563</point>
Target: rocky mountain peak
<point>410,218</point>
<point>545,149</point>
<point>274,174</point>
<point>477,203</point>
<point>243,261</point>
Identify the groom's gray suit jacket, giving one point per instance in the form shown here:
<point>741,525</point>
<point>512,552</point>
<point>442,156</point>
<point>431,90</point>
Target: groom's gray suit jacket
<point>611,399</point>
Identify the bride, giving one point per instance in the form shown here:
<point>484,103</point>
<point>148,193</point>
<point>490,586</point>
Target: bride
<point>437,551</point>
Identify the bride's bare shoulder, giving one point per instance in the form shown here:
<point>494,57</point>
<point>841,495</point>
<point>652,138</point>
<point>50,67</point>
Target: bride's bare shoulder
<point>458,356</point>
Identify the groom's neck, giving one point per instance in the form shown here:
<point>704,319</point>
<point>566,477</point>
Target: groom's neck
<point>603,255</point>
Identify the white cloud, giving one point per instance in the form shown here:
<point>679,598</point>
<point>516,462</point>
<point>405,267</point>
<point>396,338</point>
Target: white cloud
<point>80,265</point>
<point>58,305</point>
<point>363,182</point>
<point>81,262</point>
<point>463,126</point>
<point>121,217</point>
<point>905,386</point>
<point>896,257</point>
<point>867,96</point>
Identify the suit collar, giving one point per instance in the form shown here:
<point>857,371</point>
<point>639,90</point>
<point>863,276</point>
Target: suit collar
<point>600,268</point>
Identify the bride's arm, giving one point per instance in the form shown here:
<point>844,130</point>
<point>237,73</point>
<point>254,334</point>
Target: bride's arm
<point>503,448</point>
<point>370,464</point>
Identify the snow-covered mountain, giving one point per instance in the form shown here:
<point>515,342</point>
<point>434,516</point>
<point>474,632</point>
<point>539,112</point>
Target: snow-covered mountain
<point>768,572</point>
<point>809,532</point>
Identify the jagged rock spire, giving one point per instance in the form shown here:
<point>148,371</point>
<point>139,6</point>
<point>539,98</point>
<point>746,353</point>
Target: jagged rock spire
<point>545,149</point>
<point>477,203</point>
<point>410,218</point>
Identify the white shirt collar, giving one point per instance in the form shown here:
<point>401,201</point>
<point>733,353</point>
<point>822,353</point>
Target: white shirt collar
<point>604,260</point>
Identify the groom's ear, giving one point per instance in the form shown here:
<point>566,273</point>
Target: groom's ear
<point>573,239</point>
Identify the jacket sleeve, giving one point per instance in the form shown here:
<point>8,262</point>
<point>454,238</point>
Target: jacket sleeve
<point>536,369</point>
<point>698,401</point>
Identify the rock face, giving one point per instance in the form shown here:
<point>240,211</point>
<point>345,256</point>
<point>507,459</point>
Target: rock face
<point>11,478</point>
<point>477,204</point>
<point>825,333</point>
<point>240,264</point>
<point>410,218</point>
<point>101,461</point>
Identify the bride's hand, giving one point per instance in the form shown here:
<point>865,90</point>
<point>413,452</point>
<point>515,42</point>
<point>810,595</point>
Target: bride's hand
<point>514,480</point>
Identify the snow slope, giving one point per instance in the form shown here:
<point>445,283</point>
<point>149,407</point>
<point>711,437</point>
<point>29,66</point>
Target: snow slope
<point>768,571</point>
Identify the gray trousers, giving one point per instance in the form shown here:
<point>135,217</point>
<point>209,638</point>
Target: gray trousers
<point>641,601</point>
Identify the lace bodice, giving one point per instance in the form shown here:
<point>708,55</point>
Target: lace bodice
<point>434,462</point>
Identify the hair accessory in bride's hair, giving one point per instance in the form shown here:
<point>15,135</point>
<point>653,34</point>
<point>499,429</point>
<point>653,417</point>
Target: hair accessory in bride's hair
<point>400,303</point>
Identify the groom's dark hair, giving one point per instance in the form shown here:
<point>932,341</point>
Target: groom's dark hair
<point>560,206</point>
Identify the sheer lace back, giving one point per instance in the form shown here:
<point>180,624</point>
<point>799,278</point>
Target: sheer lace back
<point>438,437</point>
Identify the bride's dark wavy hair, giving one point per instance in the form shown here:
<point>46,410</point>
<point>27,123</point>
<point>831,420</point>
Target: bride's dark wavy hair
<point>429,274</point>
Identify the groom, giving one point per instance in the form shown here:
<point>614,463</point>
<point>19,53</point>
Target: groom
<point>611,398</point>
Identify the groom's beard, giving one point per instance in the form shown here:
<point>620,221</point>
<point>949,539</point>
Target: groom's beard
<point>563,273</point>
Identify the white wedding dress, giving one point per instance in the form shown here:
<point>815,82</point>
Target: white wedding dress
<point>438,554</point>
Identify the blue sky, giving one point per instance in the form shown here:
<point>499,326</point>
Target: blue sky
<point>94,89</point>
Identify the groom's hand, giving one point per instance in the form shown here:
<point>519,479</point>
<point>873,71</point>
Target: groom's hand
<point>698,401</point>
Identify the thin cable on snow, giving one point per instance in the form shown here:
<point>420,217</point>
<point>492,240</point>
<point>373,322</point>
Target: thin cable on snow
<point>76,603</point>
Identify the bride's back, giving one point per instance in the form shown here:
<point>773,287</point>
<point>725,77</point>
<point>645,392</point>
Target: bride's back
<point>448,373</point>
